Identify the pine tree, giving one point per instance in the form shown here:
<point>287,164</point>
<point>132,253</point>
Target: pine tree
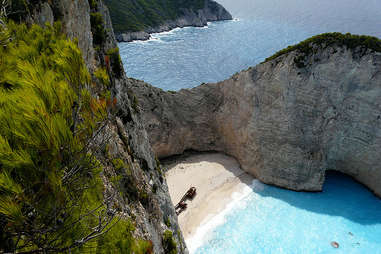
<point>50,189</point>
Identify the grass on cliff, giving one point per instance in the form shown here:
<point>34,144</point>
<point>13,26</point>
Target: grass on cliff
<point>327,39</point>
<point>136,15</point>
<point>51,192</point>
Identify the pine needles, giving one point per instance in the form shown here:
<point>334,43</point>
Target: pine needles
<point>50,189</point>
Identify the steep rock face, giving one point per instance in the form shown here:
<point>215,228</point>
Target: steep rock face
<point>124,137</point>
<point>75,18</point>
<point>212,11</point>
<point>286,122</point>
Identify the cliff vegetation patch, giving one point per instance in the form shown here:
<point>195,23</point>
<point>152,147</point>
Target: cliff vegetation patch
<point>351,41</point>
<point>51,191</point>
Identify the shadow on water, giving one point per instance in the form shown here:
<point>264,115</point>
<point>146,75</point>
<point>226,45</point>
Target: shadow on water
<point>341,196</point>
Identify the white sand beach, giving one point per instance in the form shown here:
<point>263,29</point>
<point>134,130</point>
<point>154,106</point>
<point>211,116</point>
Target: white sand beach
<point>216,176</point>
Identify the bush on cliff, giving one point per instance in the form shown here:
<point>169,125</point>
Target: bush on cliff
<point>351,41</point>
<point>50,190</point>
<point>99,35</point>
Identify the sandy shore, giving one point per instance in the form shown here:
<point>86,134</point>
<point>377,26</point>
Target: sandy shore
<point>216,176</point>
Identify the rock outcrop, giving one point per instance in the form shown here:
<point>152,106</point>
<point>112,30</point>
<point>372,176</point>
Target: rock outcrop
<point>212,11</point>
<point>286,121</point>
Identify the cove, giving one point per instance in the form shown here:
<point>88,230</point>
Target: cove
<point>269,219</point>
<point>274,220</point>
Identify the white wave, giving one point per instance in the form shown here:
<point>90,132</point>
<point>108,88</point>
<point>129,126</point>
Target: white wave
<point>214,220</point>
<point>151,39</point>
<point>202,27</point>
<point>166,33</point>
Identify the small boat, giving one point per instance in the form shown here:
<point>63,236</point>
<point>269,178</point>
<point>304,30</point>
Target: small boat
<point>335,244</point>
<point>181,206</point>
<point>191,193</point>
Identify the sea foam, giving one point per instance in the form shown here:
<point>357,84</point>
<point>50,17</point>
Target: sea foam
<point>202,233</point>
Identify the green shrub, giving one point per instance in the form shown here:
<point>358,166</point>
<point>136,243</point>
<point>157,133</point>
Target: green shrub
<point>169,243</point>
<point>118,164</point>
<point>120,240</point>
<point>97,28</point>
<point>50,188</point>
<point>167,222</point>
<point>102,76</point>
<point>125,182</point>
<point>93,4</point>
<point>144,198</point>
<point>115,61</point>
<point>328,39</point>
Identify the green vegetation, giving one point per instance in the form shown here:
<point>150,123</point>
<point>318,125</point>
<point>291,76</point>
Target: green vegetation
<point>113,59</point>
<point>102,76</point>
<point>167,222</point>
<point>120,240</point>
<point>328,39</point>
<point>49,179</point>
<point>93,4</point>
<point>51,192</point>
<point>136,15</point>
<point>169,243</point>
<point>125,181</point>
<point>97,28</point>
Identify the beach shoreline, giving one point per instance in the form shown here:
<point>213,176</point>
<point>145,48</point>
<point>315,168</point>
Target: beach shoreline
<point>219,181</point>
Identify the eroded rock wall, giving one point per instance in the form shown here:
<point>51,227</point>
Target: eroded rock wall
<point>284,123</point>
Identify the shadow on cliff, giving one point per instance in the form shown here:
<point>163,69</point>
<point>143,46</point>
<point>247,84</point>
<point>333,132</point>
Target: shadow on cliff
<point>193,156</point>
<point>341,197</point>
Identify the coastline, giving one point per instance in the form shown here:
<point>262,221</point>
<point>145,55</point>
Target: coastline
<point>220,184</point>
<point>212,11</point>
<point>156,35</point>
<point>147,35</point>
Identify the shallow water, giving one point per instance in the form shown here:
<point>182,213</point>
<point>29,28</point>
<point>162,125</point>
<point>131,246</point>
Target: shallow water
<point>185,58</point>
<point>274,220</point>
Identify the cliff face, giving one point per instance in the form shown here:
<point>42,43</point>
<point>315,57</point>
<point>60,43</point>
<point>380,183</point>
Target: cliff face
<point>286,121</point>
<point>124,138</point>
<point>137,21</point>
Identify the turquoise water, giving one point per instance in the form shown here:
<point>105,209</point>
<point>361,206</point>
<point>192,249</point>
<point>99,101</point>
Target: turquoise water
<point>274,220</point>
<point>187,57</point>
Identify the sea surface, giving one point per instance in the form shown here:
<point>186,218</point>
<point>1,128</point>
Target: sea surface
<point>184,58</point>
<point>270,220</point>
<point>267,219</point>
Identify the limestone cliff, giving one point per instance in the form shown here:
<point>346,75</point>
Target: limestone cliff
<point>124,138</point>
<point>306,110</point>
<point>136,20</point>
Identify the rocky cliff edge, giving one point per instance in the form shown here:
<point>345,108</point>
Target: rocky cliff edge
<point>306,110</point>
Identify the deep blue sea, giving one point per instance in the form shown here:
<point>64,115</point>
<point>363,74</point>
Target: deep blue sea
<point>187,57</point>
<point>269,220</point>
